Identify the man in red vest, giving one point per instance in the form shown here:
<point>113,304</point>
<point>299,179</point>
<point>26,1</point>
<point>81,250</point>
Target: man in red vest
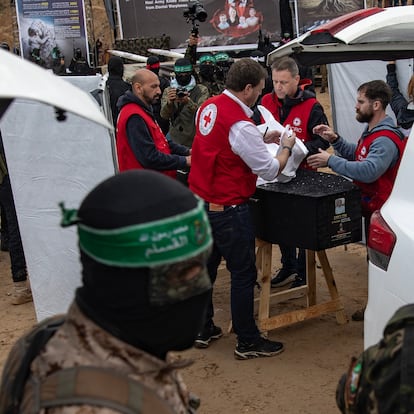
<point>372,163</point>
<point>140,142</point>
<point>292,103</point>
<point>228,154</point>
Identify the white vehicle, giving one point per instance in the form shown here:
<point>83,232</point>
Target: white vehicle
<point>369,34</point>
<point>365,34</point>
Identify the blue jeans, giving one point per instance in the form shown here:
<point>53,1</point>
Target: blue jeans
<point>292,262</point>
<point>234,240</point>
<point>17,259</point>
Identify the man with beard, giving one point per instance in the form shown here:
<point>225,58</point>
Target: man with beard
<point>144,242</point>
<point>140,141</point>
<point>372,163</point>
<point>180,102</point>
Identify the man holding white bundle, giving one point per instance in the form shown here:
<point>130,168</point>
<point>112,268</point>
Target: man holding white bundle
<point>299,151</point>
<point>229,153</point>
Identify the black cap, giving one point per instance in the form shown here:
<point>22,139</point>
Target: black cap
<point>152,60</point>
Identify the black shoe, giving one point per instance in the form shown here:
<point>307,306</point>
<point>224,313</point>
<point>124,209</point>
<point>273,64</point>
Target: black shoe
<point>299,281</point>
<point>207,335</point>
<point>284,277</point>
<point>358,315</point>
<point>262,348</point>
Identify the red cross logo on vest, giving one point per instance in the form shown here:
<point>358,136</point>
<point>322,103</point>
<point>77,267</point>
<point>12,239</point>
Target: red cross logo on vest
<point>207,119</point>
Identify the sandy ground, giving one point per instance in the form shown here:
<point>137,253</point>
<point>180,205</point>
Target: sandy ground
<point>302,380</point>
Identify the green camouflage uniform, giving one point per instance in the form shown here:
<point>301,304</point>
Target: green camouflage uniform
<point>381,380</point>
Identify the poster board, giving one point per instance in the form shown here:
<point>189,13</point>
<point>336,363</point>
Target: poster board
<point>49,25</point>
<point>145,18</point>
<point>157,17</point>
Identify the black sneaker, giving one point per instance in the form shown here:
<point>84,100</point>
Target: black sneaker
<point>359,315</point>
<point>299,281</point>
<point>262,348</point>
<point>283,278</point>
<point>207,335</point>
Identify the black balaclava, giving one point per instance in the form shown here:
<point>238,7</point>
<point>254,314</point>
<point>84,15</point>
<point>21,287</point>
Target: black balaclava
<point>117,297</point>
<point>183,71</point>
<point>78,53</point>
<point>116,66</point>
<point>207,65</point>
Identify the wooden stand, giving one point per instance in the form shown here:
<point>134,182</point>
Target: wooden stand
<point>264,267</point>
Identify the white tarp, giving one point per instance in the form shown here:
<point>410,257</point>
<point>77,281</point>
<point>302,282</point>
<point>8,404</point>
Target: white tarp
<point>344,80</point>
<point>50,162</point>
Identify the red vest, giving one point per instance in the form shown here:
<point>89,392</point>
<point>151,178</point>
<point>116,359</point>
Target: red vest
<point>374,195</point>
<point>298,117</point>
<point>126,158</point>
<point>217,174</point>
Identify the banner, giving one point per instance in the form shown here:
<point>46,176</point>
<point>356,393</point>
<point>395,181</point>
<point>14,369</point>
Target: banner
<point>312,13</point>
<point>228,22</point>
<point>48,29</point>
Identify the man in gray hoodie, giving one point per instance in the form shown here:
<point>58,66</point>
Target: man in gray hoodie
<point>372,163</point>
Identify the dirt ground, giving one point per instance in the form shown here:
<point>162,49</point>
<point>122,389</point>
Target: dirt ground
<point>302,380</point>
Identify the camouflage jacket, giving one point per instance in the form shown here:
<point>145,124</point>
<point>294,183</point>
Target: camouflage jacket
<point>214,88</point>
<point>381,379</point>
<point>79,341</point>
<point>182,116</point>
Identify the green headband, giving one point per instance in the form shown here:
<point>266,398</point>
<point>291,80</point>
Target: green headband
<point>180,69</point>
<point>207,58</point>
<point>221,56</point>
<point>159,242</point>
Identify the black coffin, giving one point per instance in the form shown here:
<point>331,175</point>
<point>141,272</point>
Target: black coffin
<point>314,211</point>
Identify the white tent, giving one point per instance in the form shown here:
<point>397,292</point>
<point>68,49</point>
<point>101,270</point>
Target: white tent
<point>344,79</point>
<point>49,162</point>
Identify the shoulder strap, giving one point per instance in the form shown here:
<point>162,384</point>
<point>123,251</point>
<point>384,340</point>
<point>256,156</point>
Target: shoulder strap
<point>32,345</point>
<point>101,387</point>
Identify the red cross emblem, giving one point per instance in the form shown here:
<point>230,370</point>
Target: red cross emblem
<point>207,119</point>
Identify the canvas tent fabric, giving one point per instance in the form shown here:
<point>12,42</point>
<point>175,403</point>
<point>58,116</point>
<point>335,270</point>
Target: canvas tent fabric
<point>344,80</point>
<point>49,162</point>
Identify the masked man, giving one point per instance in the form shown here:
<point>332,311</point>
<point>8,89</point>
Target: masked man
<point>144,241</point>
<point>179,103</point>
